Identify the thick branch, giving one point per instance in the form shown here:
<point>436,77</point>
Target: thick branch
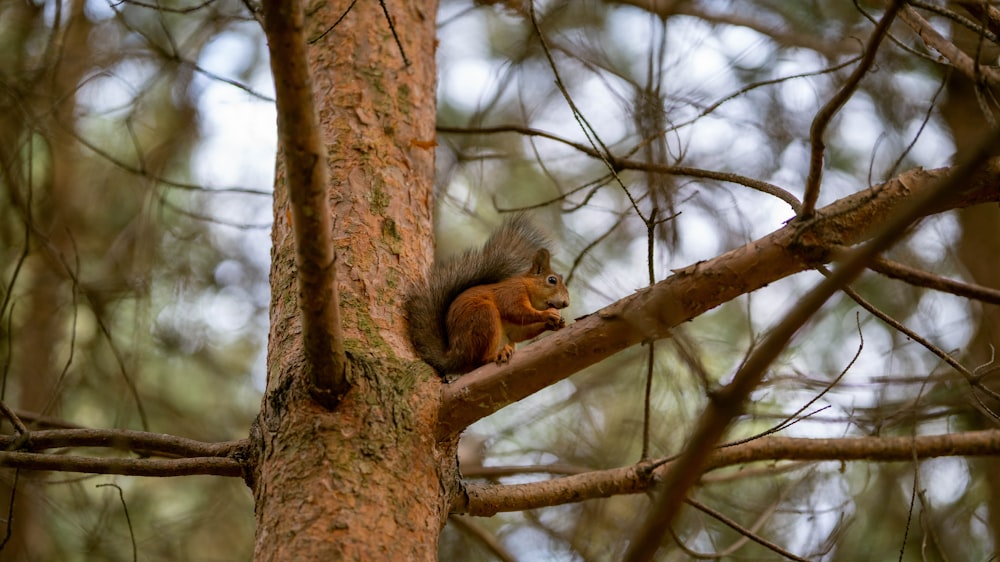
<point>652,312</point>
<point>958,59</point>
<point>305,165</point>
<point>217,466</point>
<point>486,500</point>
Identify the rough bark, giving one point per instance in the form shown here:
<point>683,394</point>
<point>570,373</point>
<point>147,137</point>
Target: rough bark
<point>363,481</point>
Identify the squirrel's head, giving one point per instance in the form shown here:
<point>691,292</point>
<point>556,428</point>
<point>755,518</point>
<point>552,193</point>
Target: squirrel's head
<point>551,291</point>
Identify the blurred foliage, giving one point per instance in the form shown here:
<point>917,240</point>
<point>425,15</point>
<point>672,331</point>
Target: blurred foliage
<point>126,301</point>
<point>133,290</point>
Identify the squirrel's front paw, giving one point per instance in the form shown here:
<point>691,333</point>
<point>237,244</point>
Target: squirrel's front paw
<point>554,320</point>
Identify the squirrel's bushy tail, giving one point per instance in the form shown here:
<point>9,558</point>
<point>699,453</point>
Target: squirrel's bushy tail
<point>507,253</point>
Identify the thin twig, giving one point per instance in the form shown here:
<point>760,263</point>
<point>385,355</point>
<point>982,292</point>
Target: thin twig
<point>743,530</point>
<point>392,28</point>
<point>128,520</point>
<point>651,355</point>
<point>826,113</point>
<point>629,164</point>
<point>795,416</point>
<point>160,8</point>
<point>486,538</point>
<point>75,289</point>
<point>335,24</point>
<point>923,123</point>
<point>974,380</point>
<point>603,152</point>
<point>10,511</point>
<point>9,413</point>
<point>755,85</point>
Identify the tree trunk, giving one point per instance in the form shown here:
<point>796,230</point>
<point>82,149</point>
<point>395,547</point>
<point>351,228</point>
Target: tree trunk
<point>363,481</point>
<point>978,244</point>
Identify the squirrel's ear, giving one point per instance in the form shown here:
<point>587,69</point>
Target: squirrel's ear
<point>540,263</point>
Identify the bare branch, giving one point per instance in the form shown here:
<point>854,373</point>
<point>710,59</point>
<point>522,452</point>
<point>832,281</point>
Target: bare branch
<point>131,532</point>
<point>984,12</point>
<point>743,530</point>
<point>306,168</point>
<point>125,439</point>
<point>618,164</point>
<point>217,466</point>
<point>489,499</point>
<point>974,381</point>
<point>650,313</point>
<point>11,415</point>
<point>919,278</point>
<point>141,170</point>
<point>958,59</point>
<point>960,19</point>
<point>826,113</point>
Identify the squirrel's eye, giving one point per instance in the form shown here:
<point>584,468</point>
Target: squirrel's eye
<point>553,280</point>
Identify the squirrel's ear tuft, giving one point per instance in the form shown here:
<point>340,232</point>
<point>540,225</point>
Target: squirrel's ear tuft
<point>540,263</point>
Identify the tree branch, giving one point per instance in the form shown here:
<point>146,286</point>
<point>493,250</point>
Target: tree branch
<point>306,168</point>
<point>958,59</point>
<point>217,466</point>
<point>747,533</point>
<point>650,313</point>
<point>618,163</point>
<point>919,278</point>
<point>826,113</point>
<point>728,403</point>
<point>125,439</point>
<point>197,457</point>
<point>489,499</point>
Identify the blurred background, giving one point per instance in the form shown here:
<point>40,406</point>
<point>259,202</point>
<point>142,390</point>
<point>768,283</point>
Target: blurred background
<point>137,144</point>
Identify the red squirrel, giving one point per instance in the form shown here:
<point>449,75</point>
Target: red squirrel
<point>472,309</point>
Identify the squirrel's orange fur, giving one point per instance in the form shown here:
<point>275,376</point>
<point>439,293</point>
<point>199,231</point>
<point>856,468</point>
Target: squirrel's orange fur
<point>473,309</point>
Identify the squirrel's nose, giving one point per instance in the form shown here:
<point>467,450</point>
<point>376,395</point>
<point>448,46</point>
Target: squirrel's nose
<point>558,303</point>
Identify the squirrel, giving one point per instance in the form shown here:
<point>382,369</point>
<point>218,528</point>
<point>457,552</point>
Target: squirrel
<point>472,309</point>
